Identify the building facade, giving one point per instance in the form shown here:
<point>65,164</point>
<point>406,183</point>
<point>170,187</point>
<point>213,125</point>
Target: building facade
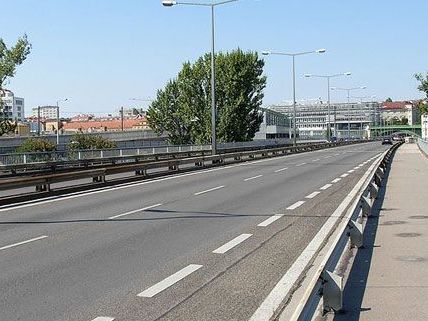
<point>12,106</point>
<point>399,112</point>
<point>312,118</point>
<point>46,112</point>
<point>274,125</point>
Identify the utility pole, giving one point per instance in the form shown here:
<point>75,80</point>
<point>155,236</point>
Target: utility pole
<point>121,117</point>
<point>38,120</point>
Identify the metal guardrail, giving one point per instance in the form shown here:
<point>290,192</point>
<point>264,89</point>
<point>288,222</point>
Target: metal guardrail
<point>43,182</point>
<point>423,146</point>
<point>325,290</point>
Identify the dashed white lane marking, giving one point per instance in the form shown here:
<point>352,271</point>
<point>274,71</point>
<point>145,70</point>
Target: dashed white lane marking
<point>351,171</point>
<point>301,164</point>
<point>169,281</point>
<point>231,244</point>
<point>327,156</point>
<point>325,187</point>
<point>23,242</point>
<point>316,160</point>
<point>361,165</point>
<point>336,154</point>
<point>270,220</point>
<point>103,319</point>
<point>251,178</point>
<point>357,167</point>
<point>312,195</point>
<point>336,180</point>
<point>281,169</point>
<point>344,175</point>
<point>134,211</point>
<point>209,190</point>
<point>295,205</point>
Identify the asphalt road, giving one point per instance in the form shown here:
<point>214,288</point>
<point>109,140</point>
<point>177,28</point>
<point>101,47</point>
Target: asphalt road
<point>159,249</point>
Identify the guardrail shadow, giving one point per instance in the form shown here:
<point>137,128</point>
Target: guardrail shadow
<point>356,283</point>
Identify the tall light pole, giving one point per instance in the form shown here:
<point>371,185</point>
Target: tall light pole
<point>170,3</point>
<point>328,77</point>
<point>57,120</point>
<point>361,98</point>
<point>293,55</point>
<point>348,90</point>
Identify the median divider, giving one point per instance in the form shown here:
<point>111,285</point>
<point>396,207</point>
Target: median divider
<point>323,288</point>
<point>174,163</point>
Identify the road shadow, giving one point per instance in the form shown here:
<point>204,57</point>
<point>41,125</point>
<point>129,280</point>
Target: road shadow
<point>356,283</point>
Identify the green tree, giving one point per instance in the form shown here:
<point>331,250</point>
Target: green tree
<point>183,108</point>
<point>9,60</point>
<point>82,141</point>
<point>388,100</point>
<point>36,145</point>
<point>423,86</point>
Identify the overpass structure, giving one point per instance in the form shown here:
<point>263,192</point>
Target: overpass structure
<point>220,243</point>
<point>376,131</point>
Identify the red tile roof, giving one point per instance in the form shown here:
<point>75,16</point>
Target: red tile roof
<point>110,124</point>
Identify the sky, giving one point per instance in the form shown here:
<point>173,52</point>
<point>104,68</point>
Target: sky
<point>102,54</point>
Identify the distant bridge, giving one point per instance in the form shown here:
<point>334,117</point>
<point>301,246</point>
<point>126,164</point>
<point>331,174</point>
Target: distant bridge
<point>376,131</point>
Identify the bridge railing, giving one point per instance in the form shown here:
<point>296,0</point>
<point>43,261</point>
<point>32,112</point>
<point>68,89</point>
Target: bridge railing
<point>423,146</point>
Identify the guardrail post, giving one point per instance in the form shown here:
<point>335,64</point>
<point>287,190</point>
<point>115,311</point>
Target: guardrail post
<point>25,158</point>
<point>43,188</point>
<point>332,291</point>
<point>101,154</point>
<point>374,190</point>
<point>120,152</point>
<point>142,172</point>
<point>366,205</point>
<point>355,233</point>
<point>79,155</point>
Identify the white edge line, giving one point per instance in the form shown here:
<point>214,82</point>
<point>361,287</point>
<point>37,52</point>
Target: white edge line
<point>289,279</point>
<point>134,211</point>
<point>169,281</point>
<point>23,242</point>
<point>298,165</point>
<point>251,178</point>
<point>103,319</point>
<point>295,205</point>
<point>209,190</point>
<point>270,220</point>
<point>232,243</point>
<point>312,195</point>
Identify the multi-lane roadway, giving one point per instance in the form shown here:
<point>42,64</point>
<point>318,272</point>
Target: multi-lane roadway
<point>204,245</point>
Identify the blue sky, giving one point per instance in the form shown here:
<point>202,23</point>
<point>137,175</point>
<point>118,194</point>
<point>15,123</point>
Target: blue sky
<point>101,53</point>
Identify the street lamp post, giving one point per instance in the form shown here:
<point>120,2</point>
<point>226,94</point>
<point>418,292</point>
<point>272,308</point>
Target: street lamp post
<point>362,114</point>
<point>328,77</point>
<point>293,55</point>
<point>57,120</point>
<point>348,90</point>
<point>170,3</point>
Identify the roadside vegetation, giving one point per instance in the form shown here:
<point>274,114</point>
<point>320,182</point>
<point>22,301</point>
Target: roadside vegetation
<point>183,108</point>
<point>82,141</point>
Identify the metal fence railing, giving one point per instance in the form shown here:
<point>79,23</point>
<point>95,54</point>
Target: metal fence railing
<point>423,145</point>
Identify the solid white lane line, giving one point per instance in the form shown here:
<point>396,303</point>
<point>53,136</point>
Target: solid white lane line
<point>281,169</point>
<point>23,242</point>
<point>103,319</point>
<point>169,281</point>
<point>134,211</point>
<point>312,195</point>
<point>326,186</point>
<point>251,178</point>
<point>316,160</point>
<point>231,244</point>
<point>270,220</point>
<point>351,171</point>
<point>298,165</point>
<point>209,190</point>
<point>344,175</point>
<point>295,205</point>
<point>336,180</point>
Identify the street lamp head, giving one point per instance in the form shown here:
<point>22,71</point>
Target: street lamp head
<point>266,53</point>
<point>363,87</point>
<point>308,75</point>
<point>168,3</point>
<point>320,51</point>
<point>333,88</point>
<point>347,73</point>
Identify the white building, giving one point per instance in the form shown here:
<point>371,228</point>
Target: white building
<point>424,123</point>
<point>13,107</point>
<point>274,125</point>
<point>399,111</point>
<point>46,112</point>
